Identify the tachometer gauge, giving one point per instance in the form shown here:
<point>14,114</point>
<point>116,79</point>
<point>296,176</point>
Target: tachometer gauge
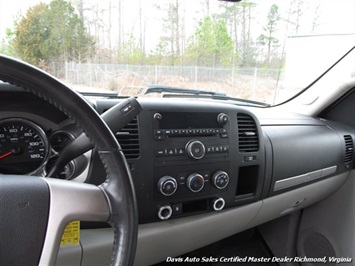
<point>24,147</point>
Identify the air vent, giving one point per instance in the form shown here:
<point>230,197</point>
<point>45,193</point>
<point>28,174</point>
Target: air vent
<point>128,138</point>
<point>247,133</point>
<point>349,149</point>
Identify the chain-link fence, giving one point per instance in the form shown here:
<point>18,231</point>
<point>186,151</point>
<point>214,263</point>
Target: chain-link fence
<point>252,83</point>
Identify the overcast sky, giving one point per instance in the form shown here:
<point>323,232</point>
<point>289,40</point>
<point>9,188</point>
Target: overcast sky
<point>337,16</point>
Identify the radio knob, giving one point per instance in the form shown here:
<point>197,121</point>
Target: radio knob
<point>220,179</point>
<point>222,119</point>
<point>158,116</point>
<point>167,185</point>
<point>195,149</point>
<point>195,182</point>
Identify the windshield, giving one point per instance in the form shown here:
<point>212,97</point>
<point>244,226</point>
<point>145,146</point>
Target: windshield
<point>265,51</point>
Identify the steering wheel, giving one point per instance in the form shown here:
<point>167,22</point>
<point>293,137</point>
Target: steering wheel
<point>35,210</point>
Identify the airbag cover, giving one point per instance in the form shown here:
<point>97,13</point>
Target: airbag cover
<point>24,204</point>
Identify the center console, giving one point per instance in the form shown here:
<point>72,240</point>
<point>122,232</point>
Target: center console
<point>191,161</point>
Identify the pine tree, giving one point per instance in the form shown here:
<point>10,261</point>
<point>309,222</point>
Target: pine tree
<point>268,38</point>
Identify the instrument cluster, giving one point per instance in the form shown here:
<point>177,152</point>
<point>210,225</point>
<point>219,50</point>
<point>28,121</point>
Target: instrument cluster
<point>26,148</point>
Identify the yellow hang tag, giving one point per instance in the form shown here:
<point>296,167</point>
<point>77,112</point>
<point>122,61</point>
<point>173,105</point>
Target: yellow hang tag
<point>71,234</point>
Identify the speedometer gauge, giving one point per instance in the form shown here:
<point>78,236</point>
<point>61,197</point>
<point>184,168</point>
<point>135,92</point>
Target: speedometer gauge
<point>23,147</point>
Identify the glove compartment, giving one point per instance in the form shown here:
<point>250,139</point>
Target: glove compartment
<point>302,155</point>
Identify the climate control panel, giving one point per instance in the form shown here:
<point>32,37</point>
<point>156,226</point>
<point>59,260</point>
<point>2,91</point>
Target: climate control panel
<point>194,182</point>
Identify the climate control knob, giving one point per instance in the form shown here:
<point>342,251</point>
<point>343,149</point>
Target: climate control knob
<point>195,149</point>
<point>195,182</point>
<point>220,179</point>
<point>167,185</point>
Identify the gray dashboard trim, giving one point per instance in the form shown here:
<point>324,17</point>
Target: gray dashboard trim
<point>297,180</point>
<point>157,241</point>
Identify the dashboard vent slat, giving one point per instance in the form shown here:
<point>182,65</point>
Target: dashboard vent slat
<point>349,149</point>
<point>128,138</point>
<point>247,133</point>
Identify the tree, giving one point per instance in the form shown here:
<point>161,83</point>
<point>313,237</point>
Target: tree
<point>211,45</point>
<point>315,22</point>
<point>174,28</point>
<point>297,14</point>
<point>30,33</point>
<point>52,32</point>
<point>238,17</point>
<point>159,53</point>
<point>223,44</point>
<point>246,47</point>
<point>6,45</point>
<point>130,52</point>
<point>268,38</point>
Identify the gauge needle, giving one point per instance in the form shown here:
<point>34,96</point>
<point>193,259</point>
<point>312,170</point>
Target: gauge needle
<point>5,155</point>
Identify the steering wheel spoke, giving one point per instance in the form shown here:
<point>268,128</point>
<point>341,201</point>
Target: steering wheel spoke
<point>70,201</point>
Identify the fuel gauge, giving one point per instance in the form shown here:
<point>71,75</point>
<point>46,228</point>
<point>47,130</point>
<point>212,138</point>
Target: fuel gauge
<point>60,139</point>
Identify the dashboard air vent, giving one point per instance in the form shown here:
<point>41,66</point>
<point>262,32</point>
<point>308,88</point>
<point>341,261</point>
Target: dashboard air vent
<point>128,138</point>
<point>349,150</point>
<point>247,133</point>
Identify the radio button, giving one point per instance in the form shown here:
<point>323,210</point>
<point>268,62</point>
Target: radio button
<point>180,151</point>
<point>160,152</point>
<point>177,208</point>
<point>171,152</point>
<point>159,137</point>
<point>181,179</point>
<point>223,135</point>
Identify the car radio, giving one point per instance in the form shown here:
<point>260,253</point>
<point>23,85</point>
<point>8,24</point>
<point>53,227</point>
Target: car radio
<point>190,135</point>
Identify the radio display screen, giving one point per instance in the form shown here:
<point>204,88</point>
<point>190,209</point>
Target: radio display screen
<point>188,120</point>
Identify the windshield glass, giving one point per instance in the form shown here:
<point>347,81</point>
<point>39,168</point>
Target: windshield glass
<point>263,51</point>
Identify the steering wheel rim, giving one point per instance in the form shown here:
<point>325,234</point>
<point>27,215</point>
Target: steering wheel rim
<point>114,200</point>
